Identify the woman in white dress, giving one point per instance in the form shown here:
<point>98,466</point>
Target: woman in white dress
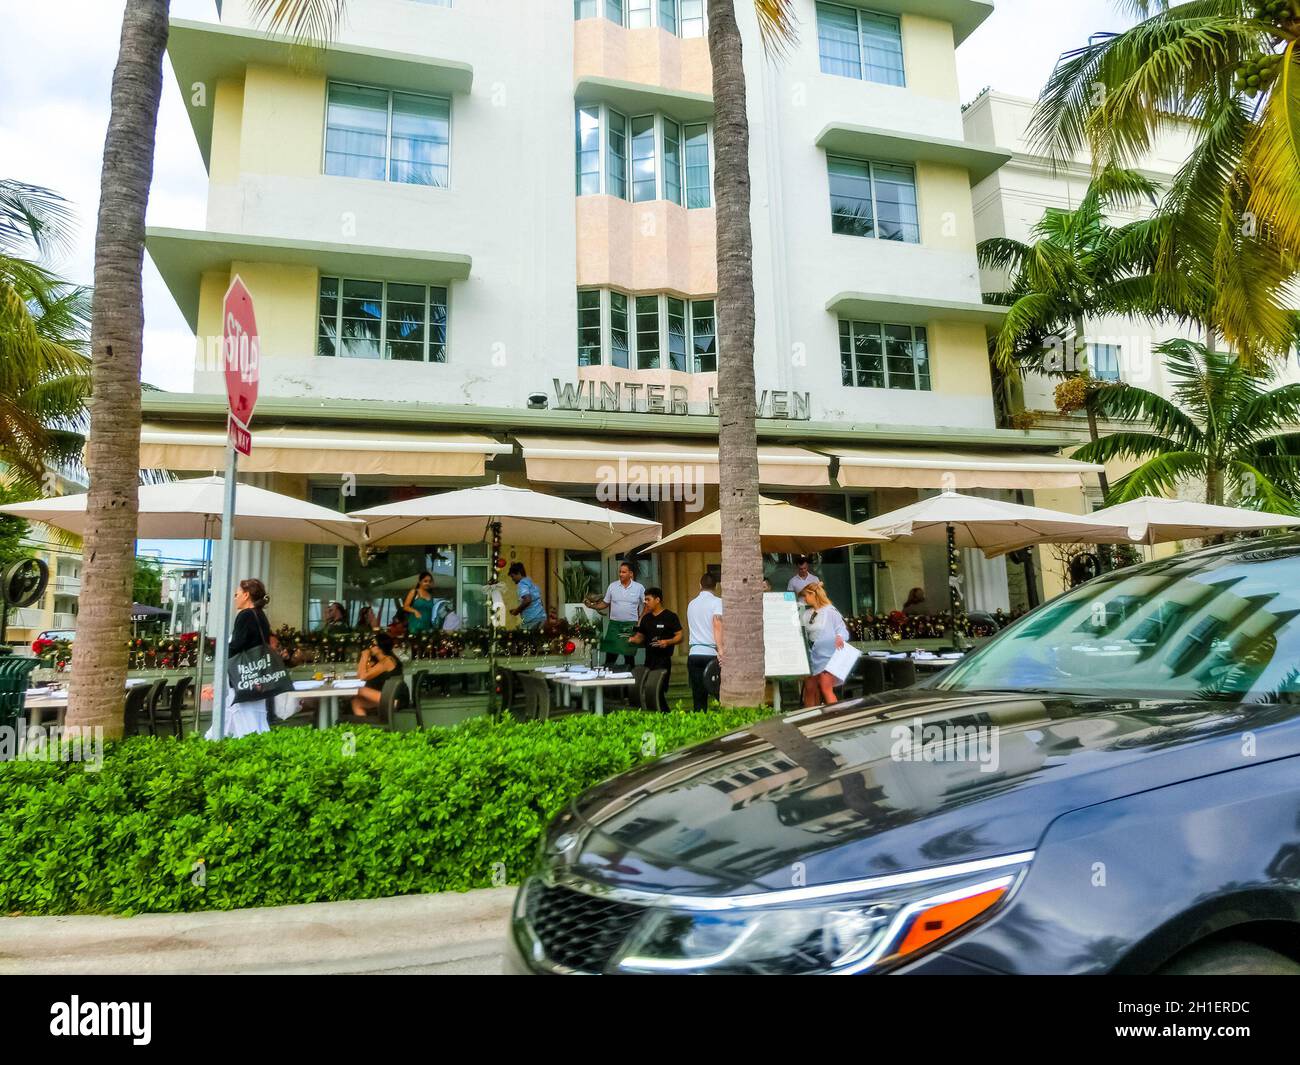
<point>251,629</point>
<point>826,632</point>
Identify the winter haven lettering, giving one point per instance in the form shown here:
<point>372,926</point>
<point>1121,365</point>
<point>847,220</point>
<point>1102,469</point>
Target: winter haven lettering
<point>632,397</point>
<point>75,1017</point>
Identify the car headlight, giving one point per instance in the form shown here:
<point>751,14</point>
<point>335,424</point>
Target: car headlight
<point>871,931</point>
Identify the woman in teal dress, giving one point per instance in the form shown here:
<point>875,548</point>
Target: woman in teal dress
<point>420,604</point>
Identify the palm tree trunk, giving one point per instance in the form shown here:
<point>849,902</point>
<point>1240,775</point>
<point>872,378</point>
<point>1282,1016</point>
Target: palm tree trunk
<point>116,337</point>
<point>742,557</point>
<point>1214,486</point>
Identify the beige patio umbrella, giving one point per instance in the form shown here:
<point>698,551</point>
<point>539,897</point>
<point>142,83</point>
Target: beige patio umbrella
<point>1152,520</point>
<point>191,510</point>
<point>782,528</point>
<point>987,524</point>
<point>990,525</point>
<point>526,519</point>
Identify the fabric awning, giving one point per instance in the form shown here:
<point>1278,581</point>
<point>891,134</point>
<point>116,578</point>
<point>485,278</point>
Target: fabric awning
<point>321,451</point>
<point>955,470</point>
<point>569,460</point>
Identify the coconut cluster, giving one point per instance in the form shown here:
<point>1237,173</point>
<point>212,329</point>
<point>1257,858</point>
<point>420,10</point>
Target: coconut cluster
<point>1254,75</point>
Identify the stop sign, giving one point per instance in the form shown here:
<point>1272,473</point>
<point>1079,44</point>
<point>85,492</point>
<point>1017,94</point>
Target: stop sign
<point>241,350</point>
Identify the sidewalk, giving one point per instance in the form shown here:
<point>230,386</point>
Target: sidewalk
<point>447,933</point>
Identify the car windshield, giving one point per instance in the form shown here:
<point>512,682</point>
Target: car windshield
<point>1220,628</point>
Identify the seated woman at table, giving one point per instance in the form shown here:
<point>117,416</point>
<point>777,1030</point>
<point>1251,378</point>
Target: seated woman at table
<point>377,666</point>
<point>367,621</point>
<point>826,633</point>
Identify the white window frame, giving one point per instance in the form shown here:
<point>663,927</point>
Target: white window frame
<point>388,137</point>
<point>661,185</point>
<point>859,11</point>
<point>871,165</point>
<point>383,321</point>
<point>884,356</point>
<point>656,16</point>
<point>662,298</point>
<point>1092,351</point>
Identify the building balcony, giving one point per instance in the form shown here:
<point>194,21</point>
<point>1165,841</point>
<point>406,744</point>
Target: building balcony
<point>655,246</point>
<point>639,70</point>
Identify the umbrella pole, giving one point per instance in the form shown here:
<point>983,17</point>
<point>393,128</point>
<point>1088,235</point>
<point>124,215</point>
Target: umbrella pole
<point>205,586</point>
<point>953,597</point>
<point>492,620</point>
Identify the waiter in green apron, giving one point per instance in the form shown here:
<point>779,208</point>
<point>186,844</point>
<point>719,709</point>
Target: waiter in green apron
<point>625,601</point>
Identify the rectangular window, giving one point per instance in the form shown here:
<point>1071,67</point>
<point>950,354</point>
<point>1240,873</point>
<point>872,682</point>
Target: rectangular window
<point>873,355</point>
<point>853,43</point>
<point>873,200</point>
<point>677,334</point>
<point>895,189</point>
<point>672,161</point>
<point>638,14</point>
<point>589,353</point>
<point>882,48</point>
<point>704,338</point>
<point>643,159</point>
<point>372,320</point>
<point>585,9</point>
<point>588,151</point>
<point>699,188</point>
<point>647,332</point>
<point>838,40</point>
<point>692,18</point>
<point>618,339</point>
<point>614,11</point>
<point>356,132</point>
<point>616,162</point>
<point>668,15</point>
<point>1103,361</point>
<point>684,331</point>
<point>382,135</point>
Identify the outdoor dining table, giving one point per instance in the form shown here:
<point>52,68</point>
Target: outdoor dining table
<point>586,682</point>
<point>326,695</point>
<point>42,699</point>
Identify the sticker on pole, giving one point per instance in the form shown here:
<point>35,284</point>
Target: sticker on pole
<point>241,351</point>
<point>239,436</point>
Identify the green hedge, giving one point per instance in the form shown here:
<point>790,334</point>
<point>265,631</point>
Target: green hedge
<point>297,815</point>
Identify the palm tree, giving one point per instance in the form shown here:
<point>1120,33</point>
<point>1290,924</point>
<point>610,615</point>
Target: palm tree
<point>742,558</point>
<point>99,659</point>
<point>44,375</point>
<point>1079,265</point>
<point>1222,426</point>
<point>1227,70</point>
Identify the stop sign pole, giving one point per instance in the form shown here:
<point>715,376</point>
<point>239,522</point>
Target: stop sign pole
<point>241,355</point>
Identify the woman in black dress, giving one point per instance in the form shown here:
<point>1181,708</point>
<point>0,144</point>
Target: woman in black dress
<point>378,665</point>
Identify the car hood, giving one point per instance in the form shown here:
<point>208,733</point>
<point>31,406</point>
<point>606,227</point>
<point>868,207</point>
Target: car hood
<point>916,779</point>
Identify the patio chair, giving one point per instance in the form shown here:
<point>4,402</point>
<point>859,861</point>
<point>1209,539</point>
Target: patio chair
<point>416,707</point>
<point>636,698</point>
<point>156,691</point>
<point>393,698</point>
<point>135,714</point>
<point>653,688</point>
<point>537,697</point>
<point>870,676</point>
<point>901,672</point>
<point>170,711</point>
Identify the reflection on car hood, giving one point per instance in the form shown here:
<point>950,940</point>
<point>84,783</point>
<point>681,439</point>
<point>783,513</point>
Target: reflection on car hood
<point>912,780</point>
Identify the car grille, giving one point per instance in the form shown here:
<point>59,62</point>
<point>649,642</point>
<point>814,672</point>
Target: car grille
<point>578,930</point>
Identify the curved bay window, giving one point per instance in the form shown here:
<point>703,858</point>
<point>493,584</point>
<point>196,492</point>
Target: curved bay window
<point>647,332</point>
<point>642,157</point>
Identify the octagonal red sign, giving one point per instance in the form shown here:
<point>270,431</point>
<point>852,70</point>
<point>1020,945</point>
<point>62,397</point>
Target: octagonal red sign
<point>241,350</point>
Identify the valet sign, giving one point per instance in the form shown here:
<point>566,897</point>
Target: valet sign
<point>241,351</point>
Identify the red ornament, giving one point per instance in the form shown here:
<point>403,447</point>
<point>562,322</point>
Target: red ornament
<point>569,647</point>
<point>501,563</point>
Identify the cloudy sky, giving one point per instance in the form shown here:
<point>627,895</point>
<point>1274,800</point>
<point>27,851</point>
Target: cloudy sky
<point>56,65</point>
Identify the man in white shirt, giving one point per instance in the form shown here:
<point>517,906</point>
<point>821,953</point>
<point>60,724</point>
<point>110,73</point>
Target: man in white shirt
<point>803,576</point>
<point>625,601</point>
<point>704,638</point>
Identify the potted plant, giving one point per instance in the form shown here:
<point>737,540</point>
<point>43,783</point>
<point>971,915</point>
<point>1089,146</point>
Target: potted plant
<point>578,584</point>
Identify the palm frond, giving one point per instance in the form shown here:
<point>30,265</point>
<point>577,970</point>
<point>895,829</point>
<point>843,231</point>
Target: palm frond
<point>1157,476</point>
<point>1133,446</point>
<point>1273,156</point>
<point>33,218</point>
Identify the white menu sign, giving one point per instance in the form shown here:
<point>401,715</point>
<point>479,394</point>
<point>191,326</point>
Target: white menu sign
<point>786,652</point>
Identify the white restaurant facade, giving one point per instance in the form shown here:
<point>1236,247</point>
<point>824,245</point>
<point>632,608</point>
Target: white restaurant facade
<point>481,240</point>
